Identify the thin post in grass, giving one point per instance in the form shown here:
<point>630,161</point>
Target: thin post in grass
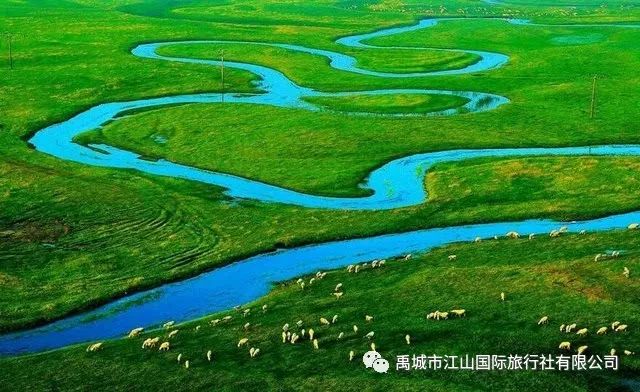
<point>10,39</point>
<point>593,96</point>
<point>222,72</point>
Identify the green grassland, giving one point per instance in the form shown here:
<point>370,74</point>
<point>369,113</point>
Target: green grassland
<point>72,236</point>
<point>553,277</point>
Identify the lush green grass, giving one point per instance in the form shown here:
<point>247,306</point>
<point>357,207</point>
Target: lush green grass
<point>60,220</point>
<point>553,277</point>
<point>394,104</point>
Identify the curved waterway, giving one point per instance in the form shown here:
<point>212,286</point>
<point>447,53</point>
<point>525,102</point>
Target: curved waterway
<point>399,183</point>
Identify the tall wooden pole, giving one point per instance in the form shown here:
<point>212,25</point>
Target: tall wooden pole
<point>593,96</point>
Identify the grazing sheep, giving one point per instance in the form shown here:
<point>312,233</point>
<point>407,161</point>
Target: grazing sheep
<point>350,268</point>
<point>374,263</point>
<point>214,322</point>
<point>565,346</point>
<point>612,352</point>
<point>246,312</point>
<point>264,308</point>
<point>338,286</point>
<point>477,240</point>
<point>315,344</point>
<point>299,281</point>
<point>197,328</point>
<point>164,346</point>
<point>302,285</point>
<point>285,327</point>
<point>582,332</point>
<point>209,355</point>
<point>563,229</point>
<point>633,226</point>
<point>226,318</point>
<point>135,332</point>
<point>246,326</point>
<point>173,333</point>
<point>407,257</point>
<point>615,253</point>
<point>442,315</point>
<point>186,364</point>
<point>570,328</point>
<point>544,320</point>
<point>311,333</point>
<point>351,355</point>
<point>452,257</point>
<point>179,357</point>
<point>598,257</point>
<point>150,343</point>
<point>334,319</point>
<point>459,312</point>
<point>251,351</point>
<point>284,337</point>
<point>602,331</point>
<point>532,236</point>
<point>324,321</point>
<point>582,349</point>
<point>340,335</point>
<point>168,324</point>
<point>311,281</point>
<point>554,233</point>
<point>369,335</point>
<point>302,333</point>
<point>628,352</point>
<point>368,318</point>
<point>243,342</point>
<point>288,335</point>
<point>513,235</point>
<point>621,328</point>
<point>381,263</point>
<point>626,272</point>
<point>407,339</point>
<point>356,269</point>
<point>294,338</point>
<point>562,328</point>
<point>373,346</point>
<point>95,347</point>
<point>338,294</point>
<point>236,308</point>
<point>614,325</point>
<point>355,329</point>
<point>502,296</point>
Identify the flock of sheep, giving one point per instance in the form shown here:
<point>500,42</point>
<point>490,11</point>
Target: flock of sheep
<point>296,333</point>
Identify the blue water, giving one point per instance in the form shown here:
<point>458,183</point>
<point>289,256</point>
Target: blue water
<point>397,184</point>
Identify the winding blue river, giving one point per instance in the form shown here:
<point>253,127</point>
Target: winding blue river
<point>399,183</point>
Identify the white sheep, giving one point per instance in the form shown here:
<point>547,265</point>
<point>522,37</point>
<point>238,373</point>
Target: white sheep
<point>299,281</point>
<point>334,319</point>
<point>227,318</point>
<point>452,257</point>
<point>373,346</point>
<point>285,327</point>
<point>135,332</point>
<point>565,346</point>
<point>369,335</point>
<point>356,269</point>
<point>582,332</point>
<point>532,236</point>
<point>209,355</point>
<point>368,318</point>
<point>264,308</point>
<point>513,235</point>
<point>294,338</point>
<point>582,349</point>
<point>246,326</point>
<point>303,332</point>
<point>150,343</point>
<point>612,352</point>
<point>554,233</point>
<point>173,333</point>
<point>633,226</point>
<point>179,357</point>
<point>253,352</point>
<point>243,342</point>
<point>626,272</point>
<point>628,352</point>
<point>459,312</point>
<point>197,328</point>
<point>598,257</point>
<point>311,281</point>
<point>503,296</point>
<point>246,312</point>
<point>168,324</point>
<point>562,328</point>
<point>302,285</point>
<point>350,268</point>
<point>621,328</point>
<point>355,328</point>
<point>324,321</point>
<point>338,286</point>
<point>602,331</point>
<point>214,322</point>
<point>95,347</point>
<point>570,328</point>
<point>186,364</point>
<point>407,339</point>
<point>340,335</point>
<point>338,294</point>
<point>311,333</point>
<point>544,320</point>
<point>284,337</point>
<point>315,344</point>
<point>407,257</point>
<point>477,240</point>
<point>614,325</point>
<point>583,232</point>
<point>351,355</point>
<point>164,346</point>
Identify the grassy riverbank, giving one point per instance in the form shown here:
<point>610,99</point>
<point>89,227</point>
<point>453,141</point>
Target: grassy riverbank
<point>553,277</point>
